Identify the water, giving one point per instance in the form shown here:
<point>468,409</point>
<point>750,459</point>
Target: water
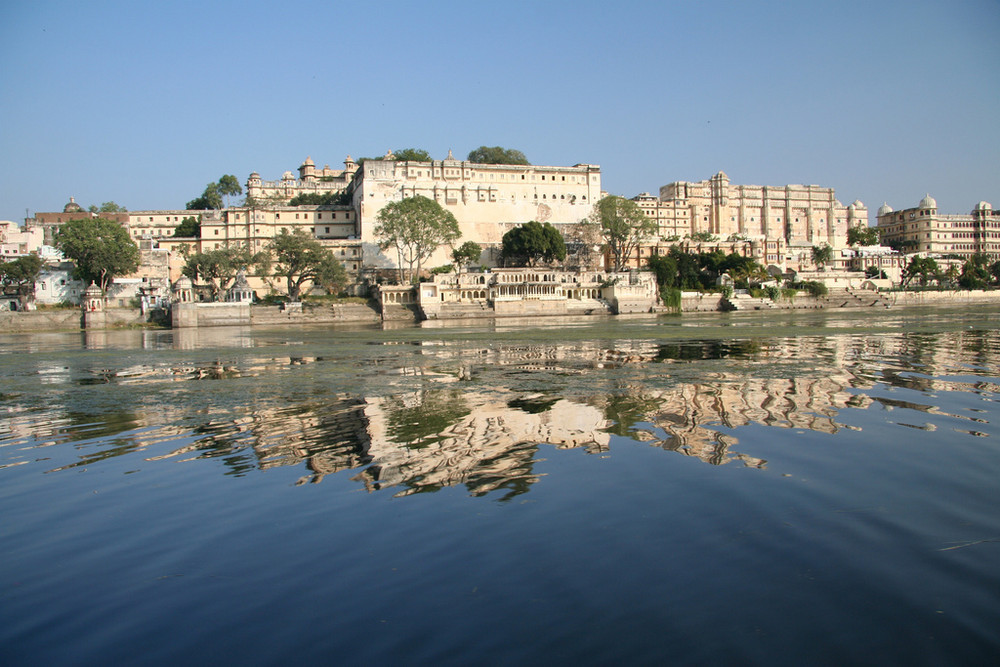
<point>808,488</point>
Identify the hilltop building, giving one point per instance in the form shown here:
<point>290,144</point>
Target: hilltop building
<point>924,230</point>
<point>486,199</point>
<point>310,181</point>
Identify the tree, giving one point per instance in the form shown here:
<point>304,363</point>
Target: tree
<point>300,258</point>
<point>101,249</point>
<point>21,274</point>
<point>415,227</point>
<point>212,197</point>
<point>622,225</point>
<point>526,244</point>
<point>821,255</point>
<point>412,155</point>
<point>190,228</point>
<point>497,155</point>
<point>975,272</point>
<point>319,199</point>
<point>229,187</point>
<point>923,268</point>
<point>108,207</point>
<point>467,253</point>
<point>862,235</point>
<point>219,267</point>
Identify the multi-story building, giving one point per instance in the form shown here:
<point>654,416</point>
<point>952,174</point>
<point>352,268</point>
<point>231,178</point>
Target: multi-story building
<point>924,230</point>
<point>310,181</point>
<point>486,199</point>
<point>18,242</point>
<point>778,225</point>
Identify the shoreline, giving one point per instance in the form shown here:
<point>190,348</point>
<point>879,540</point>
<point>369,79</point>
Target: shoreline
<point>71,320</point>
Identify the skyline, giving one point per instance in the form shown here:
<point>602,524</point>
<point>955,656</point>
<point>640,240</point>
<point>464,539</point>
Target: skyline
<point>144,106</point>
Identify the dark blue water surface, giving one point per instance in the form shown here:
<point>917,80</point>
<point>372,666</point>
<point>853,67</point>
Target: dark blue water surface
<point>726,489</point>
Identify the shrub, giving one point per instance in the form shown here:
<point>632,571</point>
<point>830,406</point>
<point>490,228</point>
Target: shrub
<point>727,291</point>
<point>815,289</point>
<point>671,297</point>
<point>772,292</point>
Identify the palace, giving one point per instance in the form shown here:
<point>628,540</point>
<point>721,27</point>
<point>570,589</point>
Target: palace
<point>486,199</point>
<point>923,230</point>
<point>777,225</point>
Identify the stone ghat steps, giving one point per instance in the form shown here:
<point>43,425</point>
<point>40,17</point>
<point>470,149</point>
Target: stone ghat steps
<point>851,298</point>
<point>587,306</point>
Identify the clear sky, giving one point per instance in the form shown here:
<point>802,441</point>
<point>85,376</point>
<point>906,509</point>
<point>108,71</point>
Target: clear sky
<point>145,103</point>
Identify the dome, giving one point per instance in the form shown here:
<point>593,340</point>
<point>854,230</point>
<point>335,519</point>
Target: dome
<point>927,202</point>
<point>183,283</point>
<point>309,162</point>
<point>72,207</point>
<point>857,204</point>
<point>255,176</point>
<point>884,209</point>
<point>288,176</point>
<point>984,206</point>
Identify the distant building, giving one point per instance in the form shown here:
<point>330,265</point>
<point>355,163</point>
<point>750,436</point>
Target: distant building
<point>16,241</point>
<point>777,225</point>
<point>924,230</point>
<point>486,199</point>
<point>310,181</point>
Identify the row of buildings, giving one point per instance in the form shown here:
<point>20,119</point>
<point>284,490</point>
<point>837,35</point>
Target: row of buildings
<point>776,225</point>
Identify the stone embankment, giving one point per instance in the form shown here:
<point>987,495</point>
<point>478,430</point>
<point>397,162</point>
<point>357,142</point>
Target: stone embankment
<point>691,302</point>
<point>68,319</point>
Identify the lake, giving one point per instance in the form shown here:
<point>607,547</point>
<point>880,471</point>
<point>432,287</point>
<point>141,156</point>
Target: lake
<point>797,488</point>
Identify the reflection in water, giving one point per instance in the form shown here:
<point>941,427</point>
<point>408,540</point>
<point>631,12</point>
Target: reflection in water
<point>421,415</point>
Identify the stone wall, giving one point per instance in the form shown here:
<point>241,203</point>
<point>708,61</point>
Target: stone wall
<point>325,314</point>
<point>64,319</point>
<point>956,298</point>
<point>209,314</point>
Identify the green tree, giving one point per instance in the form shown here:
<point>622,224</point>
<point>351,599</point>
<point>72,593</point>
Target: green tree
<point>108,207</point>
<point>467,253</point>
<point>300,258</point>
<point>190,228</point>
<point>219,267</point>
<point>210,199</point>
<point>862,235</point>
<point>497,155</point>
<point>822,255</point>
<point>623,226</point>
<point>415,227</point>
<point>925,269</point>
<point>213,196</point>
<point>229,187</point>
<point>21,274</point>
<point>320,199</point>
<point>527,244</point>
<point>101,249</point>
<point>412,155</point>
<point>975,272</point>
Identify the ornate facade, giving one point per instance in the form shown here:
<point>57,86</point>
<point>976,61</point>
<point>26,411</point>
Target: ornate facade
<point>310,181</point>
<point>776,225</point>
<point>923,230</point>
<point>486,199</point>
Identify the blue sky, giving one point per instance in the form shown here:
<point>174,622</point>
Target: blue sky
<point>145,104</point>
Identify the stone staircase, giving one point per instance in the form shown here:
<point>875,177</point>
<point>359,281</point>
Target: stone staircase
<point>747,302</point>
<point>587,306</point>
<point>854,298</point>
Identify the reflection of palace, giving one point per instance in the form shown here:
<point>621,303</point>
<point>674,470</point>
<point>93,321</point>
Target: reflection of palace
<point>465,424</point>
